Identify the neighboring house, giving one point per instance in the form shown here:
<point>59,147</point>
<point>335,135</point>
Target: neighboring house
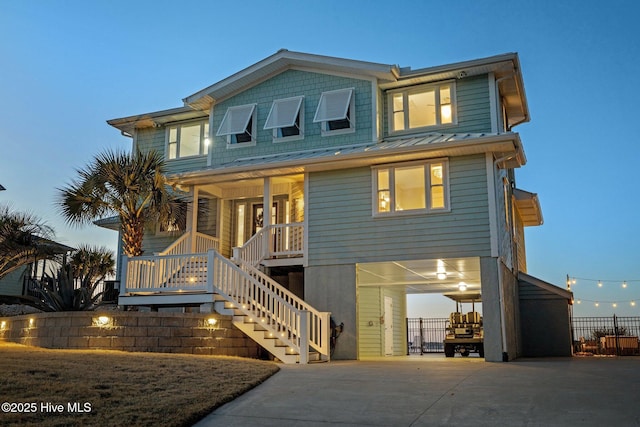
<point>380,182</point>
<point>19,282</point>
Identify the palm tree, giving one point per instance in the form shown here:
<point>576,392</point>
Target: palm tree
<point>92,264</point>
<point>24,239</point>
<point>131,186</point>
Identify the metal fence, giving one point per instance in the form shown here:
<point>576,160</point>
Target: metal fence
<point>606,335</point>
<point>596,335</point>
<point>426,335</point>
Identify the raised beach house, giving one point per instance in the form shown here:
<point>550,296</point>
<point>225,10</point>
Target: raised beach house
<point>324,186</point>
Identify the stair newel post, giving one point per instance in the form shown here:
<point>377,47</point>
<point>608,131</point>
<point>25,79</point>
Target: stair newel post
<point>124,261</point>
<point>305,316</point>
<point>211,269</point>
<point>325,334</point>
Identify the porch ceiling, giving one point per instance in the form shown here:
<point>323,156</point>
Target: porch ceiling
<point>421,276</point>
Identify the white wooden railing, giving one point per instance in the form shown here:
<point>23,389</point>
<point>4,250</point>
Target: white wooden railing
<point>192,242</point>
<point>165,273</point>
<point>319,322</point>
<point>294,322</point>
<point>276,309</point>
<point>275,240</point>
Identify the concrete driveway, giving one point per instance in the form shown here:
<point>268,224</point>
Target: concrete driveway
<point>434,391</point>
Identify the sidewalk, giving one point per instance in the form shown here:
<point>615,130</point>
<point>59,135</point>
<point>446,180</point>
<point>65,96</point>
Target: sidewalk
<point>434,391</point>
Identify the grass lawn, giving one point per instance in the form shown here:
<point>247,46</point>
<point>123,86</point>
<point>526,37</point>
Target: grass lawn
<point>118,388</point>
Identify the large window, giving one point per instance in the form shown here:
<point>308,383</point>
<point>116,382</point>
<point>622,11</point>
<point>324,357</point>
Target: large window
<point>410,187</point>
<point>239,125</point>
<point>187,140</point>
<point>422,106</point>
<point>335,112</point>
<point>286,118</point>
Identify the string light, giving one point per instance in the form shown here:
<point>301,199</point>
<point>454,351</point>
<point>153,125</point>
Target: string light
<point>600,283</point>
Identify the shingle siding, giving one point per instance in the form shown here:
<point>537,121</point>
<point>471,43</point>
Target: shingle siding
<point>288,84</point>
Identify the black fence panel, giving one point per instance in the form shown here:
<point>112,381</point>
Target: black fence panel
<point>607,335</point>
<point>426,335</point>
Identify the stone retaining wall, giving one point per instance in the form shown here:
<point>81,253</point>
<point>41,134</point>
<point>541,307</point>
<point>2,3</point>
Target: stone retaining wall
<point>130,331</point>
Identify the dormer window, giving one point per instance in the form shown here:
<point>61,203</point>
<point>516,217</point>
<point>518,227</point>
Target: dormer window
<point>286,119</point>
<point>335,112</point>
<point>422,106</point>
<point>239,125</point>
<point>187,140</point>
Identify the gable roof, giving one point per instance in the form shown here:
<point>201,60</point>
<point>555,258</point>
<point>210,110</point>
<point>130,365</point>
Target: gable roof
<point>505,67</point>
<point>281,61</point>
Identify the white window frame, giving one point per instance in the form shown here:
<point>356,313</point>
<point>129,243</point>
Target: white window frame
<point>204,139</point>
<point>275,122</point>
<point>248,119</point>
<point>421,89</point>
<point>391,167</point>
<point>349,113</point>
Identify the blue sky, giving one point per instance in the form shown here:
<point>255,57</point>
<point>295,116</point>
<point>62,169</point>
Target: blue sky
<point>68,66</point>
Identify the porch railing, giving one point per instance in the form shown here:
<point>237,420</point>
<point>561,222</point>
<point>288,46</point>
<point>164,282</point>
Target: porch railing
<point>273,241</point>
<point>165,273</point>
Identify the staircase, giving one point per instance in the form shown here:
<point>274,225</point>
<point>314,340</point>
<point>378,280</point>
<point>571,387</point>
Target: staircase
<point>285,325</point>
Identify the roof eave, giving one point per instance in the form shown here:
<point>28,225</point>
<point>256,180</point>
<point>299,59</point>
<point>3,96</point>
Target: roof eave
<point>502,145</point>
<point>155,119</point>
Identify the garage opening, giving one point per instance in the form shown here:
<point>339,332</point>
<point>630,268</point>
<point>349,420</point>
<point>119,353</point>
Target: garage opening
<point>405,307</point>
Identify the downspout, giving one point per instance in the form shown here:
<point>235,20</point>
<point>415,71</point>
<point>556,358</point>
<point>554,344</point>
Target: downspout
<point>503,314</point>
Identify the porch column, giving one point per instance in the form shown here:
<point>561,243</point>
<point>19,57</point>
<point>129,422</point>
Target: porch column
<point>267,204</point>
<point>192,225</point>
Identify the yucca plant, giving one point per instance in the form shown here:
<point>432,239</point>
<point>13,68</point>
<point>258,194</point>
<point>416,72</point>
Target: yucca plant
<point>75,284</point>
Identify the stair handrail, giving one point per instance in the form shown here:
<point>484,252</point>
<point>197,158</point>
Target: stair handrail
<point>179,246</point>
<point>319,320</point>
<point>191,242</point>
<point>254,299</point>
<point>253,250</point>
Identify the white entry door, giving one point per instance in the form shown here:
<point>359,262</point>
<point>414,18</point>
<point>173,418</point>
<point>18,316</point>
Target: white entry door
<point>388,326</point>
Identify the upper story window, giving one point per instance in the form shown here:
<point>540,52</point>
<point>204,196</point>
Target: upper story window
<point>411,187</point>
<point>286,118</point>
<point>336,112</point>
<point>239,125</point>
<point>422,106</point>
<point>188,139</point>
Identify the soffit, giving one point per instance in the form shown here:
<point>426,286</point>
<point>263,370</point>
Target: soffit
<point>421,276</point>
<point>528,207</point>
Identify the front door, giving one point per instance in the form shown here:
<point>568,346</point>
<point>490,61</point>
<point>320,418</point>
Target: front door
<point>257,219</point>
<point>388,326</point>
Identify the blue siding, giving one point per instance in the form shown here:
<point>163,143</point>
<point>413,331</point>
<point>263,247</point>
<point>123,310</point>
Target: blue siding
<point>287,84</point>
<point>342,229</point>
